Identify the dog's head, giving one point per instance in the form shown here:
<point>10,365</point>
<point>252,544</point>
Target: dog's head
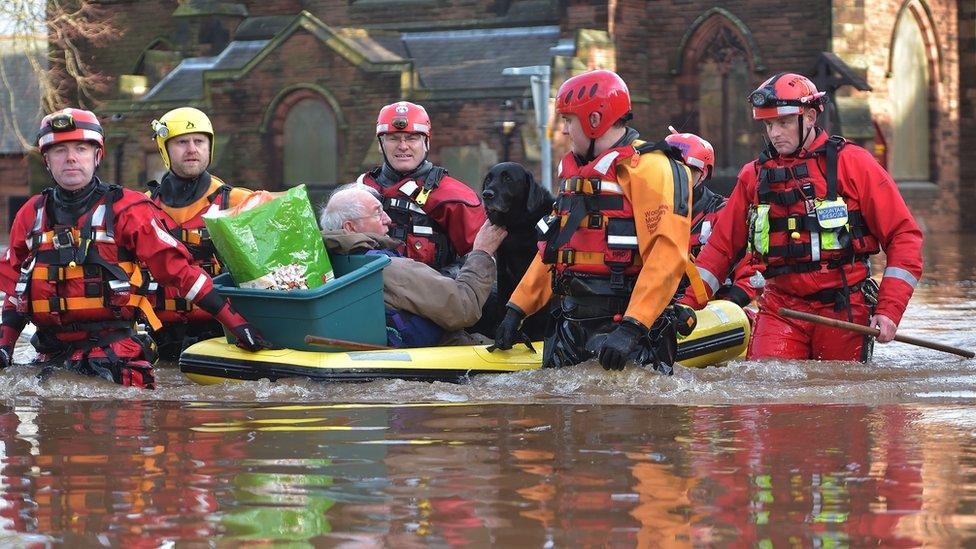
<point>511,195</point>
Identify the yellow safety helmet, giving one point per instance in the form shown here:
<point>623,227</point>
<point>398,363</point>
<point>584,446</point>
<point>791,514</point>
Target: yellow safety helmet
<point>178,122</point>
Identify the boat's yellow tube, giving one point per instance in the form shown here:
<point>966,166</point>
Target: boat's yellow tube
<point>722,334</point>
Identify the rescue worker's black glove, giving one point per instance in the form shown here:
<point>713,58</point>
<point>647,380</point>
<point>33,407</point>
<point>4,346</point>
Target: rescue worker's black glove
<point>620,344</point>
<point>6,357</point>
<point>738,296</point>
<point>505,335</point>
<point>248,337</point>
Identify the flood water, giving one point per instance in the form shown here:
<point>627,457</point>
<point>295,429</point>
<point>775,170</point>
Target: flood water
<point>754,453</point>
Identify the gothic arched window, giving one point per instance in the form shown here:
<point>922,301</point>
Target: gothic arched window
<point>716,72</point>
<point>310,144</point>
<point>909,92</point>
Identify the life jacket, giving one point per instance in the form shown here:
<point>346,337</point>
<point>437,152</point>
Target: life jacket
<point>409,204</point>
<point>405,329</point>
<point>795,230</point>
<point>192,232</point>
<point>591,233</point>
<point>77,279</point>
<point>704,210</point>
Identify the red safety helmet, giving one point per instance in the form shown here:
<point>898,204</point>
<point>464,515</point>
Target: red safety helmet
<point>783,94</point>
<point>70,125</point>
<point>697,152</point>
<point>403,116</point>
<point>599,91</point>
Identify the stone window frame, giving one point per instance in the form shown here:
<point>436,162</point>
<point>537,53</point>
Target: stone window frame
<point>925,21</point>
<point>273,126</point>
<point>698,38</point>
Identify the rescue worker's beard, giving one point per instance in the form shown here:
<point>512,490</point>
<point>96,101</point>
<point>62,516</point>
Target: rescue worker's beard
<point>387,165</point>
<point>67,206</point>
<point>177,192</point>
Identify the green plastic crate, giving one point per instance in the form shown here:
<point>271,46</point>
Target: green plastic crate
<point>349,307</point>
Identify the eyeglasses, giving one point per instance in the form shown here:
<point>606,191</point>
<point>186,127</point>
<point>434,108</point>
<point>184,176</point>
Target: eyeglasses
<point>410,138</point>
<point>374,215</point>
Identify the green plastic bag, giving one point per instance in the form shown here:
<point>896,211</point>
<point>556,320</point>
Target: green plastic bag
<point>271,241</point>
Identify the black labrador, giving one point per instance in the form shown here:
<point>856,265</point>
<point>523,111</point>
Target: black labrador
<point>515,201</point>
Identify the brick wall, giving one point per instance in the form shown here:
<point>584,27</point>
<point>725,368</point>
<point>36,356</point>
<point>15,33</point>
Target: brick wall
<point>14,181</point>
<point>967,112</point>
<point>584,14</point>
<point>646,37</point>
<point>863,33</point>
<point>786,40</point>
<point>859,31</point>
<point>302,59</point>
<point>138,24</point>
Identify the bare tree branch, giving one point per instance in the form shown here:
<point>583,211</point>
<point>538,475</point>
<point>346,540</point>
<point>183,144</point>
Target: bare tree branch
<point>53,36</point>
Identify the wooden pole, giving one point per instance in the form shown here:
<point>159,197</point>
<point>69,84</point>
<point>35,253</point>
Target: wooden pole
<point>343,344</point>
<point>867,330</point>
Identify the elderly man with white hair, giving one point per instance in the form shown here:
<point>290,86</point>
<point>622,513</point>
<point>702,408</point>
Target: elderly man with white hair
<point>423,307</point>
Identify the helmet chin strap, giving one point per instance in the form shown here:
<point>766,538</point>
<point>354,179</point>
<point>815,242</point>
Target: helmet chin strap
<point>590,151</point>
<point>799,132</point>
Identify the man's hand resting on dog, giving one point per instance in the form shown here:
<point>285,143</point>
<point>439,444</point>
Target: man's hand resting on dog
<point>489,238</point>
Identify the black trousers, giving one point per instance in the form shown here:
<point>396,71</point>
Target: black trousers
<point>579,325</point>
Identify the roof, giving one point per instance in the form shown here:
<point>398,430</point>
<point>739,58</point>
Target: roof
<point>20,103</point>
<point>196,8</point>
<point>371,48</point>
<point>262,27</point>
<point>444,60</point>
<point>470,59</point>
<point>186,80</point>
<point>831,72</point>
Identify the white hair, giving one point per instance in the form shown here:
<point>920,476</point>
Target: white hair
<point>339,208</point>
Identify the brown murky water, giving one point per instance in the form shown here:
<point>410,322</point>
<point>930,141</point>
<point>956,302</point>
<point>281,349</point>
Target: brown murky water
<point>754,453</point>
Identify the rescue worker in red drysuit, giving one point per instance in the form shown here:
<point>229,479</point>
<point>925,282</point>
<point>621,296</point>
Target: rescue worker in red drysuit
<point>72,267</point>
<point>811,209</point>
<point>699,155</point>
<point>615,249</point>
<point>185,138</point>
<point>434,215</point>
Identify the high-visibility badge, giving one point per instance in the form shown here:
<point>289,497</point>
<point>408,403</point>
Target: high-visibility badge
<point>831,214</point>
<point>759,224</point>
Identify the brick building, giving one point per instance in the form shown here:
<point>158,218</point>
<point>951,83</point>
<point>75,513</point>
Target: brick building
<point>20,114</point>
<point>293,86</point>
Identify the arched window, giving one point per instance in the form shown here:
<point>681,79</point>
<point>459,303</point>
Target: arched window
<point>724,118</point>
<point>715,73</point>
<point>309,143</point>
<point>909,91</point>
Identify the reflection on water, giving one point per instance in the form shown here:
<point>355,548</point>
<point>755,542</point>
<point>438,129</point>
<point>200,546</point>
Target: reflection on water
<point>538,475</point>
<point>754,453</point>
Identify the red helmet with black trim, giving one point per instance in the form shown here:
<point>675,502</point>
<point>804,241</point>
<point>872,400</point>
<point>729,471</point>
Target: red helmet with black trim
<point>403,116</point>
<point>783,94</point>
<point>697,152</point>
<point>70,125</point>
<point>600,91</point>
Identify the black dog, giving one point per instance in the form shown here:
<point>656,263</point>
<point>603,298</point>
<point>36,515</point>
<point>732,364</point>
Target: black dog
<point>515,201</point>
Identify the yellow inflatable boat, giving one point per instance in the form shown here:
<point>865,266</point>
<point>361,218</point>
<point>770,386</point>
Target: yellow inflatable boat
<point>722,334</point>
